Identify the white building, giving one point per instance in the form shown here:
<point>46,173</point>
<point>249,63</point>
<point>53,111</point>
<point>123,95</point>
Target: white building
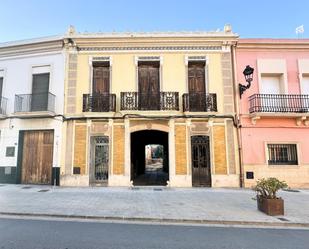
<point>32,76</point>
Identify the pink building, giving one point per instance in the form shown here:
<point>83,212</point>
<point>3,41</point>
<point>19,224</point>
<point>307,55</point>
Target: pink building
<point>274,111</point>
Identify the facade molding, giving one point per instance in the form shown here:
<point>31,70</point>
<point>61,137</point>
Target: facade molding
<point>152,48</point>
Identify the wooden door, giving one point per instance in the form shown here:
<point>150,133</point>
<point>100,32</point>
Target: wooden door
<point>149,87</point>
<point>200,155</point>
<point>37,157</point>
<point>40,89</point>
<point>196,86</point>
<point>100,87</point>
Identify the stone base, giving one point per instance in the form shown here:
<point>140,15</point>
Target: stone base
<point>225,181</point>
<point>7,174</point>
<point>74,180</point>
<point>295,176</point>
<point>119,181</point>
<point>183,181</point>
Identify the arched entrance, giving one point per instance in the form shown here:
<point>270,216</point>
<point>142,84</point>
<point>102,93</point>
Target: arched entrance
<point>149,157</point>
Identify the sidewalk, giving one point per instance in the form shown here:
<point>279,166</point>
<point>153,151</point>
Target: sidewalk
<point>200,205</point>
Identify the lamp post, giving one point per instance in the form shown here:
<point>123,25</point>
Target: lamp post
<point>248,73</point>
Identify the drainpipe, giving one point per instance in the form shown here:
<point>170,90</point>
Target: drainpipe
<point>237,118</point>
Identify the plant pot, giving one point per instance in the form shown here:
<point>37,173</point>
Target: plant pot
<point>271,206</point>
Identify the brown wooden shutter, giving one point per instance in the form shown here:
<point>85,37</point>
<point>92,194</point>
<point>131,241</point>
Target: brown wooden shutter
<point>40,89</point>
<point>1,86</point>
<point>196,77</point>
<point>149,86</point>
<point>101,78</point>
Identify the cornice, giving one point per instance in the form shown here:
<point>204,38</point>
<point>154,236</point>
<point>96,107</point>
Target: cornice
<point>40,46</point>
<point>152,48</point>
<point>273,44</point>
<point>30,41</point>
<point>183,34</point>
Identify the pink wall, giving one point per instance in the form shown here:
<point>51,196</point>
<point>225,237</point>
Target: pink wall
<point>244,58</point>
<point>253,142</point>
<point>272,129</point>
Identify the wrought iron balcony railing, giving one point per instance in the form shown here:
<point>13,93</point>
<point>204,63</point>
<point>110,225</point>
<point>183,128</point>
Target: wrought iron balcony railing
<point>3,105</point>
<point>199,102</point>
<point>148,102</point>
<point>103,102</point>
<point>35,102</point>
<point>287,103</point>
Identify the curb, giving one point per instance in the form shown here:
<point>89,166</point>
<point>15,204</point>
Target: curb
<point>164,220</point>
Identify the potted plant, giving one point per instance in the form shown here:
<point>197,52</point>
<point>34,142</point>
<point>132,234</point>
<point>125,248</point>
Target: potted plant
<point>267,200</point>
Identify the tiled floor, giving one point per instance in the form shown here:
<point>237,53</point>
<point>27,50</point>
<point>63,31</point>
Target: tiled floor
<point>146,202</point>
<point>154,175</point>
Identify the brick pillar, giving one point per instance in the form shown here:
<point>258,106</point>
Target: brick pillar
<point>80,147</point>
<point>219,150</point>
<point>118,149</point>
<point>181,149</point>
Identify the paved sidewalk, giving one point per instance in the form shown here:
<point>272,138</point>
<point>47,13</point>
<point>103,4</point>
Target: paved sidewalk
<point>226,206</point>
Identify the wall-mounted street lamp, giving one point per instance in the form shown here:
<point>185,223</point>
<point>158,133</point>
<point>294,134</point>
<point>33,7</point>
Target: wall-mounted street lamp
<point>248,73</point>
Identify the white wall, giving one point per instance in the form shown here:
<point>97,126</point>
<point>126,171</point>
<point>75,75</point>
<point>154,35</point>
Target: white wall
<point>18,77</point>
<point>18,80</point>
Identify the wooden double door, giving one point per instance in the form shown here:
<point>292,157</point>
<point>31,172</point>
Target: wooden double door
<point>101,87</point>
<point>149,86</point>
<point>196,86</point>
<point>200,155</point>
<point>37,157</point>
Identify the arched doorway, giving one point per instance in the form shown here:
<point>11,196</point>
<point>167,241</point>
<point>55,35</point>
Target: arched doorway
<point>149,157</point>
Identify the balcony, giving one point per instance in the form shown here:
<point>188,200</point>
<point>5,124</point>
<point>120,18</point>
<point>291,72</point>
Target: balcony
<point>3,106</point>
<point>279,103</point>
<point>199,102</point>
<point>165,101</point>
<point>103,102</point>
<point>40,102</point>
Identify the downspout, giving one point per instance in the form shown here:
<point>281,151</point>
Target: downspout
<point>237,118</point>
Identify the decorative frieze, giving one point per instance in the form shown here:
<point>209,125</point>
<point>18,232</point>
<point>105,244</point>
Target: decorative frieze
<point>154,48</point>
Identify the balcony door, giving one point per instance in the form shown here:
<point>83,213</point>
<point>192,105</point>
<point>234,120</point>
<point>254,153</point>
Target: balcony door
<point>305,85</point>
<point>101,87</point>
<point>40,89</point>
<point>271,87</point>
<point>1,86</point>
<point>1,104</point>
<point>196,86</point>
<point>149,86</point>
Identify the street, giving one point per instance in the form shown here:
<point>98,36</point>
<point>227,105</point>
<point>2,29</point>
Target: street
<point>67,234</point>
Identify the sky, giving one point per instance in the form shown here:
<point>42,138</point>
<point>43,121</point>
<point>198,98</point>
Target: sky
<point>24,19</point>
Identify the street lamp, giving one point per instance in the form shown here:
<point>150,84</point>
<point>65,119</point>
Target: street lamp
<point>248,73</point>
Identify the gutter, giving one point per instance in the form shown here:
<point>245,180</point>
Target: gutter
<point>238,125</point>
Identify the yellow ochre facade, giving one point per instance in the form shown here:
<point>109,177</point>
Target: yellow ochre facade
<point>126,90</point>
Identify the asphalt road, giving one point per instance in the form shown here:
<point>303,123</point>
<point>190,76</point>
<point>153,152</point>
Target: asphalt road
<point>47,234</point>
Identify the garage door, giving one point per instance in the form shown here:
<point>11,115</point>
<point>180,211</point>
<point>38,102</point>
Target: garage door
<point>37,157</point>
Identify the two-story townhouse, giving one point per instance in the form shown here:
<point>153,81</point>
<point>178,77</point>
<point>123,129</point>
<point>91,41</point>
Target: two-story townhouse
<point>128,92</point>
<point>31,108</point>
<point>274,111</point>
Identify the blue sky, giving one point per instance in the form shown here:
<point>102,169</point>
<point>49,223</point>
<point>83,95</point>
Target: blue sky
<point>22,19</point>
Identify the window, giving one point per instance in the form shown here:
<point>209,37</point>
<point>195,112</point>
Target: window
<point>271,84</point>
<point>1,86</point>
<point>305,84</point>
<point>10,151</point>
<point>40,88</point>
<point>282,154</point>
<point>149,85</point>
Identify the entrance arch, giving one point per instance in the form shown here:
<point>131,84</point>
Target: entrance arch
<point>153,170</point>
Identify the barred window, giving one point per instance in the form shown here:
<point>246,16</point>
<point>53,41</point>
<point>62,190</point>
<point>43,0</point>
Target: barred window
<point>282,154</point>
